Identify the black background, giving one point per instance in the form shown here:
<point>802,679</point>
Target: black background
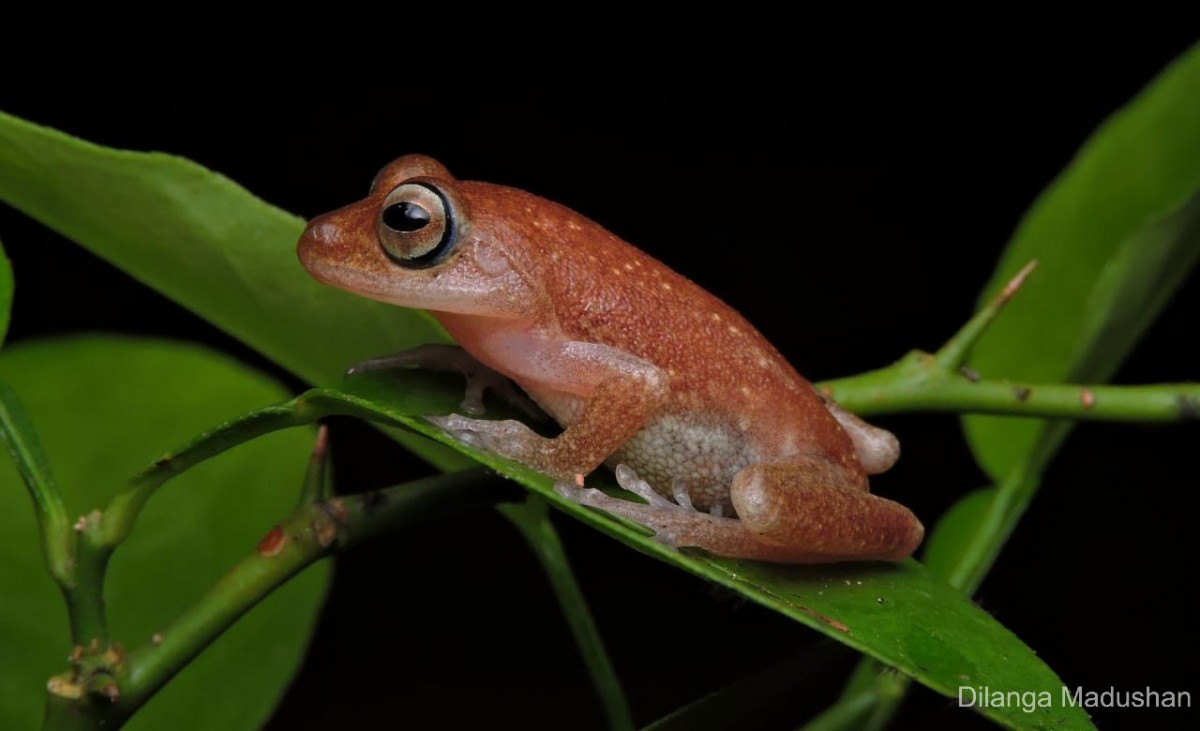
<point>896,161</point>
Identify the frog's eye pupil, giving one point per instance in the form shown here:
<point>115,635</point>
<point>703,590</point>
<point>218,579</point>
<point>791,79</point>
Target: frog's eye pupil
<point>405,217</point>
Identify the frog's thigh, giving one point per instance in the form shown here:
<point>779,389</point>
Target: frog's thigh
<point>809,512</point>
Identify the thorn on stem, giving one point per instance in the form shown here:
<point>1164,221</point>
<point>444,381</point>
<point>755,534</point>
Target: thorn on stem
<point>156,639</point>
<point>1087,399</point>
<point>1015,283</point>
<point>111,692</point>
<point>970,374</point>
<point>321,445</point>
<point>1022,393</point>
<point>954,353</point>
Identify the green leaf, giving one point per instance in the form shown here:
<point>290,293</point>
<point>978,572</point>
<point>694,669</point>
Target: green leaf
<point>966,518</point>
<point>207,243</point>
<point>6,293</point>
<point>899,613</point>
<point>1114,236</point>
<point>103,407</point>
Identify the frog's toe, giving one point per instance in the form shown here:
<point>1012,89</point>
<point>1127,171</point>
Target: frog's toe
<point>673,525</point>
<point>588,496</point>
<point>508,438</point>
<point>628,480</point>
<point>453,359</point>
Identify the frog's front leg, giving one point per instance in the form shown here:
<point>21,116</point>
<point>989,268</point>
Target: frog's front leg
<point>616,393</point>
<point>453,359</point>
<point>804,511</point>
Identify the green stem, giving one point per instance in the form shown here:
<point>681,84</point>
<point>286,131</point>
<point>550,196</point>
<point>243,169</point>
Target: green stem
<point>984,546</point>
<point>533,521</point>
<point>72,714</point>
<point>954,353</point>
<point>58,537</point>
<point>306,408</point>
<point>316,479</point>
<point>85,597</point>
<point>868,702</point>
<point>959,394</point>
<point>128,503</point>
<point>846,715</point>
<point>311,532</point>
<point>76,563</point>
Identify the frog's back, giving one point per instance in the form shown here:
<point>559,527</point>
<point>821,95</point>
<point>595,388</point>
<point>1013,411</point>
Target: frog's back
<point>725,377</point>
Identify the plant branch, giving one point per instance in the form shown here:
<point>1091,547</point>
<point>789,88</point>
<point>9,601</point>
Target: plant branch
<point>316,479</point>
<point>311,532</point>
<point>76,563</point>
<point>19,437</point>
<point>845,715</point>
<point>85,597</point>
<point>127,504</point>
<point>958,393</point>
<point>953,354</point>
<point>938,382</point>
<point>532,519</point>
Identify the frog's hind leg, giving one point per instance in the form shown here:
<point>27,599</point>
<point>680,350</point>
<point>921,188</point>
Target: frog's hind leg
<point>453,359</point>
<point>799,512</point>
<point>809,509</point>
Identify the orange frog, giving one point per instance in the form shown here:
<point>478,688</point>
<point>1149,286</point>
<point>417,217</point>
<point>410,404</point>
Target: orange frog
<point>732,450</point>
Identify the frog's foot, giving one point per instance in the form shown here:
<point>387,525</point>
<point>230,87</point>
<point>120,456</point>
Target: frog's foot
<point>674,523</point>
<point>800,512</point>
<point>509,438</point>
<point>453,359</point>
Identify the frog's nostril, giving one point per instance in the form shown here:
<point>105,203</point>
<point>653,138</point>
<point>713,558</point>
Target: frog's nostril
<point>318,243</point>
<point>321,232</point>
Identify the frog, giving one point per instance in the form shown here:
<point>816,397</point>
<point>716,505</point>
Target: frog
<point>724,446</point>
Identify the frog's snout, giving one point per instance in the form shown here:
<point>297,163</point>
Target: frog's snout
<point>321,237</point>
<point>335,239</point>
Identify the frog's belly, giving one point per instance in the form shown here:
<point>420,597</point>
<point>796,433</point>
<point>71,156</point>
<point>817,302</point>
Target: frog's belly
<point>702,453</point>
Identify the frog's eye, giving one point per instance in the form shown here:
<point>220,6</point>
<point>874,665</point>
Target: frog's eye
<point>416,225</point>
